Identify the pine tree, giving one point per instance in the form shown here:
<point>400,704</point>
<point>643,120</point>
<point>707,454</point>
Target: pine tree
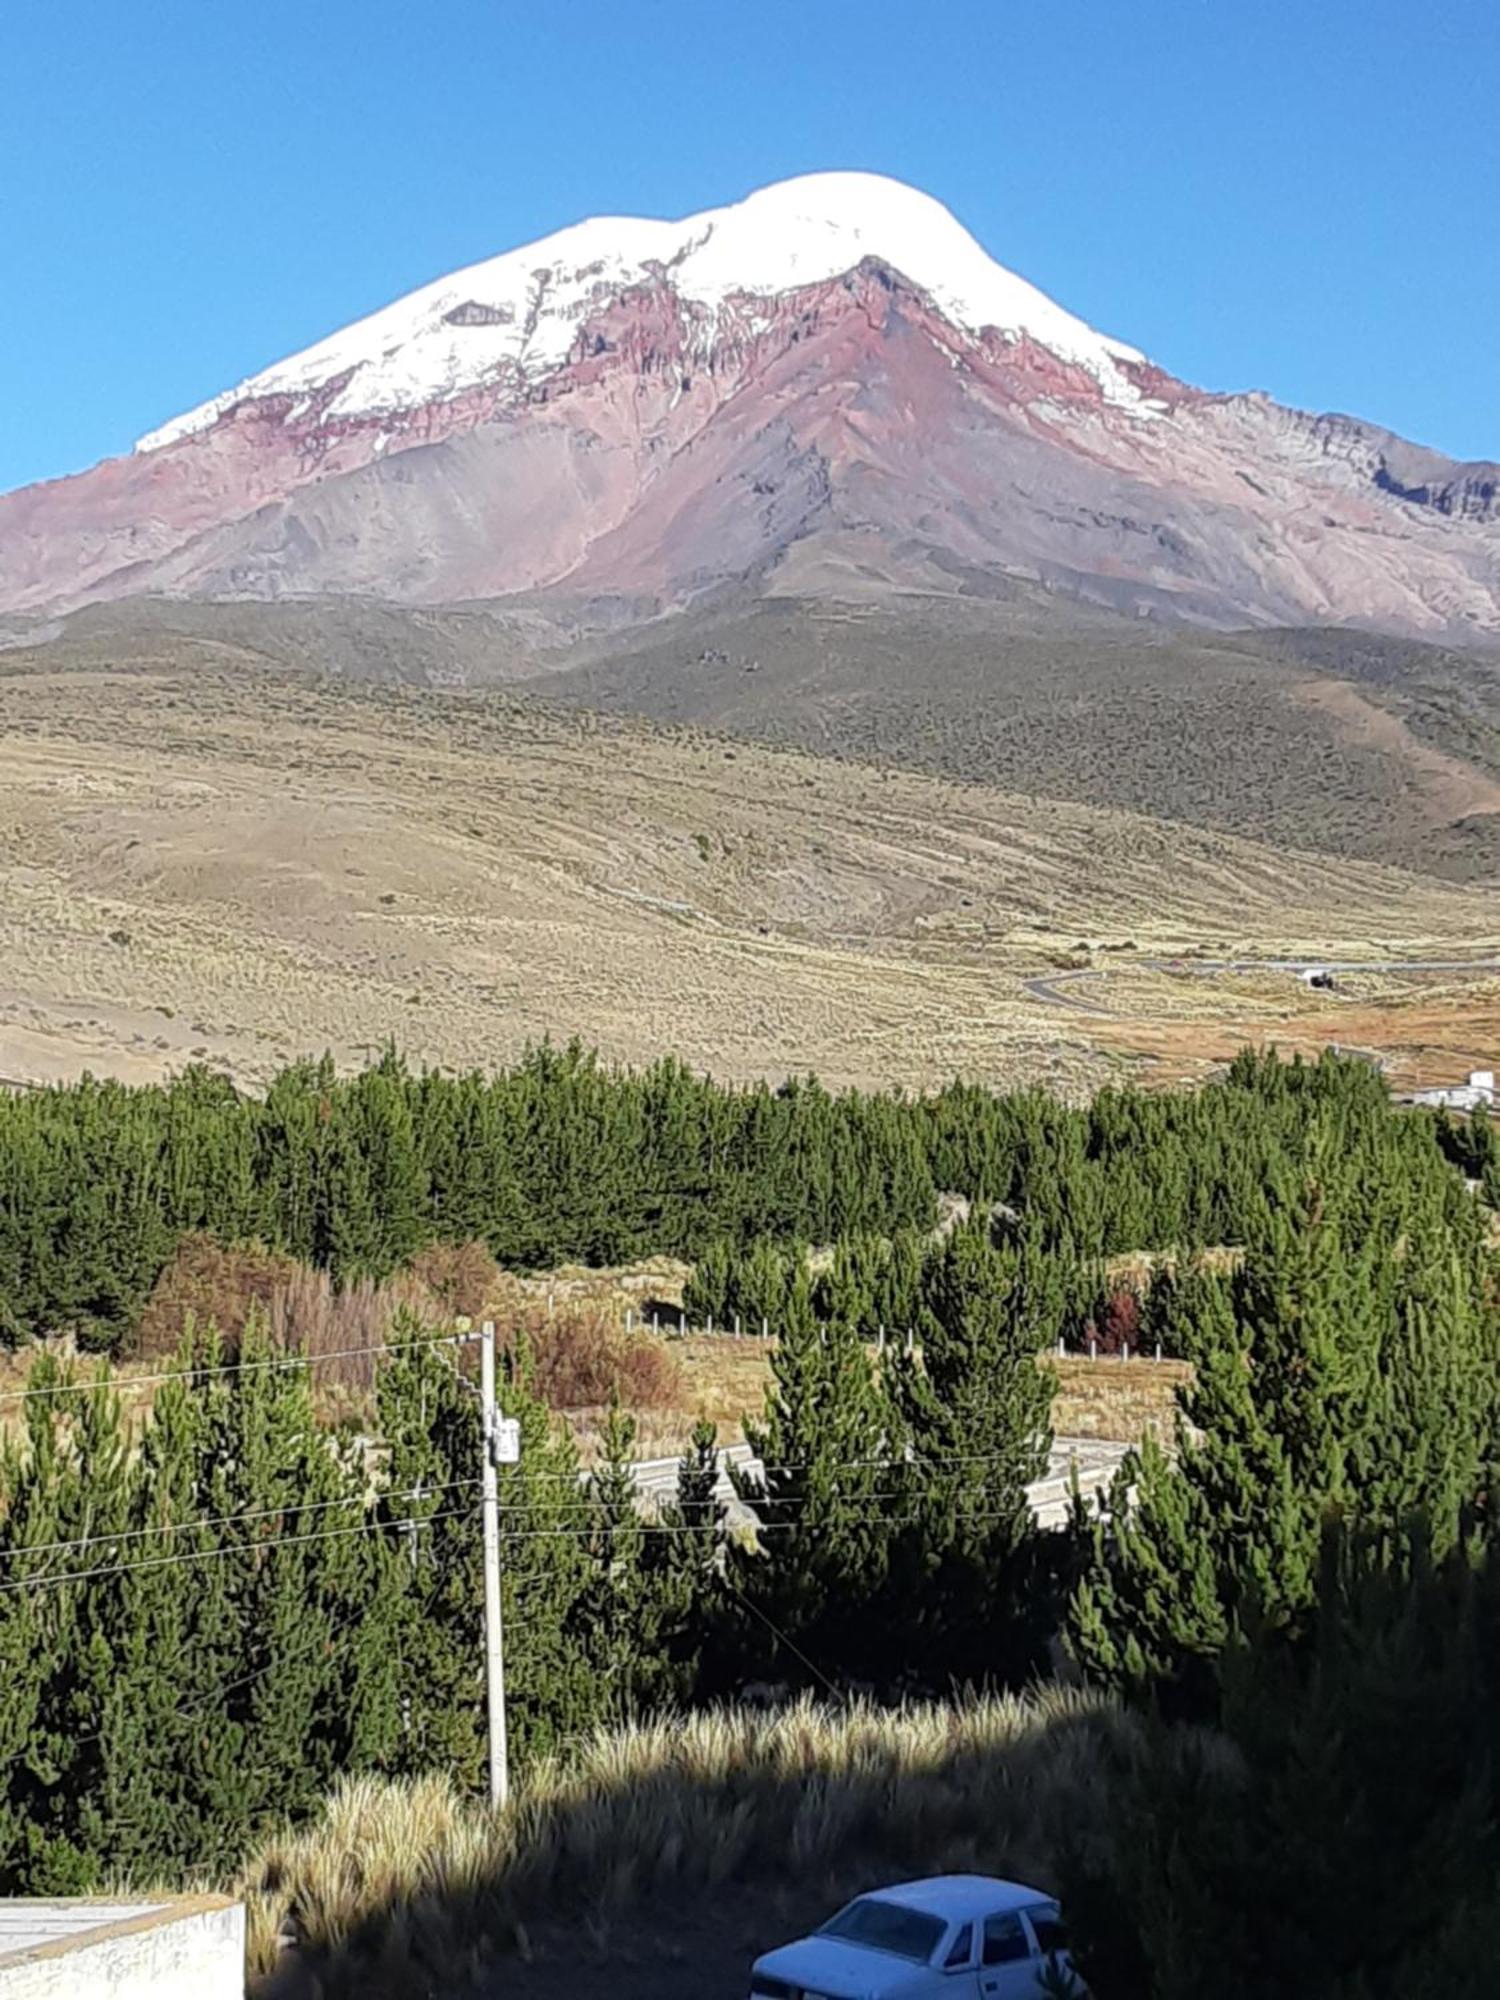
<point>1350,1792</point>
<point>707,1297</point>
<point>618,1613</point>
<point>816,1581</point>
<point>846,1292</point>
<point>67,1484</point>
<point>977,1409</point>
<point>761,1289</point>
<point>1353,1377</point>
<point>681,1585</point>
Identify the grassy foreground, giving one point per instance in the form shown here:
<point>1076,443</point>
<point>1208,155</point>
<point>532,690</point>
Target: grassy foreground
<point>408,1888</point>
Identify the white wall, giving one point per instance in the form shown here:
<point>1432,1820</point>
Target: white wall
<point>189,1951</point>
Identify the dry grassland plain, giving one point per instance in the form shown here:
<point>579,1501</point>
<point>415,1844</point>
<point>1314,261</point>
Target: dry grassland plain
<point>726,1380</point>
<point>242,868</point>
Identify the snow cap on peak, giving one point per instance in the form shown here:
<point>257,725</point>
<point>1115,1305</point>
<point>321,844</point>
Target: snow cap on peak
<point>516,315</point>
<point>817,226</point>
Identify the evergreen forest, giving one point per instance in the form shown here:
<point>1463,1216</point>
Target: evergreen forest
<point>210,1611</point>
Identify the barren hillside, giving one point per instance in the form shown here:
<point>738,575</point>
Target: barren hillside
<point>240,868</point>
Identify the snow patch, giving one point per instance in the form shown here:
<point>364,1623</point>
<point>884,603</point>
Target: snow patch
<point>514,317</point>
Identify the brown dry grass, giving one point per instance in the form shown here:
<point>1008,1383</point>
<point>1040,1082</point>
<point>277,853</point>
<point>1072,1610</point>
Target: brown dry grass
<point>410,1888</point>
<point>239,869</point>
<point>725,1380</point>
<point>1124,1400</point>
<point>1424,1031</point>
<point>620,1288</point>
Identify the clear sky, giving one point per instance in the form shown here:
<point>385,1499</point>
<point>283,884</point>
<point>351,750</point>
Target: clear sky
<point>1295,195</point>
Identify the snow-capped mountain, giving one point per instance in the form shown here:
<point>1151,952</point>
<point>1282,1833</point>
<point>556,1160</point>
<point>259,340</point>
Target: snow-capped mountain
<point>827,386</point>
<point>515,320</point>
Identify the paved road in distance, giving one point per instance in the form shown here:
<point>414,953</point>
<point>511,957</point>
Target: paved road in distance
<point>1097,1460</point>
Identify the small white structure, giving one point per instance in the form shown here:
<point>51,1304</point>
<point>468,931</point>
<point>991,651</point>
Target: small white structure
<point>1477,1094</point>
<point>84,1948</point>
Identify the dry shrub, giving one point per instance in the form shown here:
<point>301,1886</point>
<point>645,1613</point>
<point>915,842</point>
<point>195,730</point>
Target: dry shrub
<point>463,1277</point>
<point>210,1284</point>
<point>582,1357</point>
<point>339,1328</point>
<point>1116,1329</point>
<point>301,1310</point>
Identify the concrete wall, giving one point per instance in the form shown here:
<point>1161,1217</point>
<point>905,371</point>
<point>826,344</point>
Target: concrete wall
<point>192,1949</point>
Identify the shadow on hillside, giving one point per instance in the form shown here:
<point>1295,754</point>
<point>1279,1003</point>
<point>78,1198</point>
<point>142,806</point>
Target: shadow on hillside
<point>673,1854</point>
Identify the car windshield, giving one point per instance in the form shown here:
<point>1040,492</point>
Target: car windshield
<point>891,1927</point>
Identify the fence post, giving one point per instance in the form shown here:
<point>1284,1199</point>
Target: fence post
<point>1158,1350</point>
<point>1093,1349</point>
<point>736,1326</point>
<point>710,1323</point>
<point>765,1327</point>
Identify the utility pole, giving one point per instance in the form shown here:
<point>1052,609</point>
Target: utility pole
<point>501,1445</point>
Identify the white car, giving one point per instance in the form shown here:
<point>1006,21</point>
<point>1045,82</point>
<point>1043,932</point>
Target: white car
<point>954,1937</point>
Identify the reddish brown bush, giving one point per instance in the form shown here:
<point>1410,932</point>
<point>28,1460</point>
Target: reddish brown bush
<point>301,1310</point>
<point>1118,1325</point>
<point>583,1358</point>
<point>213,1286</point>
<point>463,1277</point>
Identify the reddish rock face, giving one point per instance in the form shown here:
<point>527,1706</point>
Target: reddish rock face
<point>674,448</point>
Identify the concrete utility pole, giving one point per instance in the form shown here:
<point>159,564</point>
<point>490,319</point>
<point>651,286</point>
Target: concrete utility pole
<point>501,1445</point>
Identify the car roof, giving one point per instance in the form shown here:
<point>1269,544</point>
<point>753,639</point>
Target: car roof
<point>959,1897</point>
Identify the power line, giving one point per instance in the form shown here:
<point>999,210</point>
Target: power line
<point>352,1618</point>
<point>57,1580</point>
<point>580,1533</point>
<point>585,1504</point>
<point>642,1527</point>
<point>124,1382</point>
<point>756,1469</point>
<point>188,1527</point>
<point>776,1632</point>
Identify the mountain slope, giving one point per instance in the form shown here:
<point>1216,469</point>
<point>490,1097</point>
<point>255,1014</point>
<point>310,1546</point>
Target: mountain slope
<point>648,411</point>
<point>203,862</point>
<point>1341,742</point>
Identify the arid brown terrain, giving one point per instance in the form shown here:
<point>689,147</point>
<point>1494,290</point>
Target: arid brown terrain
<point>213,863</point>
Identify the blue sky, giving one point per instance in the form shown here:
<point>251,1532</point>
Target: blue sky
<point>1295,195</point>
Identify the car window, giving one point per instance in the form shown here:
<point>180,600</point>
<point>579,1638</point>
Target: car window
<point>882,1926</point>
<point>1051,1932</point>
<point>963,1947</point>
<point>1005,1939</point>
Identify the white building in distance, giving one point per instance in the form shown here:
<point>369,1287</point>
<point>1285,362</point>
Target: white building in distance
<point>1477,1094</point>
